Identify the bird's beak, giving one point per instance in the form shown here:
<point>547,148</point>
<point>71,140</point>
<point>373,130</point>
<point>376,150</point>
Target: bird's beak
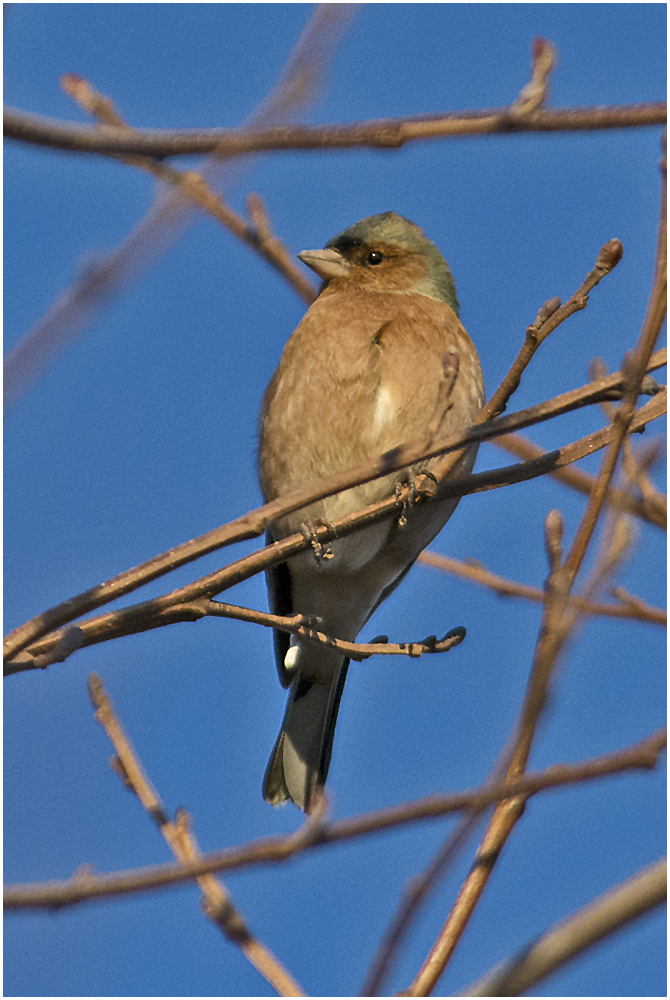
<point>327,263</point>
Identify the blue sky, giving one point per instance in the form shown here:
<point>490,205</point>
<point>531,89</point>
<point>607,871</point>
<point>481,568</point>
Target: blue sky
<point>143,435</point>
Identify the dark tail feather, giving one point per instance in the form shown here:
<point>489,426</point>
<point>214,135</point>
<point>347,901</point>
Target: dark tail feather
<point>300,760</point>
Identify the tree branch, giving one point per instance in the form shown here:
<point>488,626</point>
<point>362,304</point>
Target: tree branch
<point>572,936</point>
<point>653,510</point>
<point>53,895</point>
<point>258,236</point>
<point>178,835</point>
<point>79,304</point>
<point>556,627</point>
<point>630,607</point>
<point>386,133</point>
<point>182,604</point>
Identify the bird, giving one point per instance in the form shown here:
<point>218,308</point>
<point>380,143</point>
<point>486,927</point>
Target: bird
<point>360,375</point>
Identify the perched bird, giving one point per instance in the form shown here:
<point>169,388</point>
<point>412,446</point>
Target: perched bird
<point>361,374</point>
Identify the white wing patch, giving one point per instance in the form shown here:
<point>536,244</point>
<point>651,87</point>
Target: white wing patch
<point>292,655</point>
<point>384,411</point>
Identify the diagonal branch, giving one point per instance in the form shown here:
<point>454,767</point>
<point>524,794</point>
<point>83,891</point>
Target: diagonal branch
<point>633,607</point>
<point>256,522</point>
<point>548,319</point>
<point>573,935</point>
<point>653,509</point>
<point>178,835</point>
<point>193,185</point>
<point>78,306</point>
<point>556,627</point>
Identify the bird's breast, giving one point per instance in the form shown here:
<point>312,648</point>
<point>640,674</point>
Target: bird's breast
<point>360,375</point>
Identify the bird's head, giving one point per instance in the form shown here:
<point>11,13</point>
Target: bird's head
<point>384,253</point>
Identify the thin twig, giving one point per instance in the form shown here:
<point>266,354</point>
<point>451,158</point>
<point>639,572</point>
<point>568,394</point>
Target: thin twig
<point>636,365</point>
<point>178,835</point>
<point>191,183</point>
<point>653,509</point>
<point>300,625</point>
<point>548,319</point>
<point>630,607</point>
<point>507,812</point>
<point>573,935</point>
<point>78,306</point>
<point>636,464</point>
<point>415,894</point>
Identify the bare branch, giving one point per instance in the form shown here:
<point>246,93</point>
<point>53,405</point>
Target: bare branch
<point>184,604</point>
<point>630,606</point>
<point>50,895</point>
<point>652,509</point>
<point>301,626</point>
<point>548,319</point>
<point>636,368</point>
<point>572,936</point>
<point>78,306</point>
<point>255,523</point>
<point>178,835</point>
<point>257,236</point>
<point>556,627</point>
<point>387,133</point>
<point>415,893</point>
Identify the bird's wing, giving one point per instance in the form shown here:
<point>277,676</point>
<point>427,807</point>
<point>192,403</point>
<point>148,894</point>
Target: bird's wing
<point>278,580</point>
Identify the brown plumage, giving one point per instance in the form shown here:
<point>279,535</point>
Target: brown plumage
<point>360,375</point>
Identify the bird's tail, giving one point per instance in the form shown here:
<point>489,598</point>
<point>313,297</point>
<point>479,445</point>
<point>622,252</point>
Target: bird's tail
<point>299,763</point>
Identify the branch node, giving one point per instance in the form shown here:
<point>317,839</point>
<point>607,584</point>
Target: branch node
<point>222,912</point>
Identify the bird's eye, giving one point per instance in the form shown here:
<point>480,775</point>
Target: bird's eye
<point>375,257</point>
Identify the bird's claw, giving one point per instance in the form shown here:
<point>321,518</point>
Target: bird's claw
<point>422,487</point>
<point>402,496</point>
<point>309,533</point>
<point>418,489</point>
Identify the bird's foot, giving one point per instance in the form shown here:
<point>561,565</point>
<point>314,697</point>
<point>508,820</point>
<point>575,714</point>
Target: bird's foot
<point>422,487</point>
<point>402,492</point>
<point>418,489</point>
<point>309,531</point>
